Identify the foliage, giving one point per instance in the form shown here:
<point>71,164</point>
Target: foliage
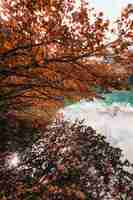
<point>71,161</point>
<point>16,134</point>
<point>48,58</point>
<point>68,101</point>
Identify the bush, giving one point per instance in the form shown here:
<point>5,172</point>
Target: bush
<point>16,134</point>
<point>70,162</point>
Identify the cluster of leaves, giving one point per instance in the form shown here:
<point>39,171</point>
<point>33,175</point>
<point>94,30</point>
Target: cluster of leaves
<point>70,161</point>
<point>47,58</point>
<point>17,134</point>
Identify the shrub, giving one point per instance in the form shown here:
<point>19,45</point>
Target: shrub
<point>71,162</point>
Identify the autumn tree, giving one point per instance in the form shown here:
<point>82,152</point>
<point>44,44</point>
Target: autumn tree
<point>46,48</point>
<point>46,51</point>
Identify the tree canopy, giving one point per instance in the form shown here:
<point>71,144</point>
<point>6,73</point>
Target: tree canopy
<point>47,47</point>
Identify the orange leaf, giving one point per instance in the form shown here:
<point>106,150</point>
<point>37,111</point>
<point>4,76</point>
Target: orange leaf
<point>8,45</point>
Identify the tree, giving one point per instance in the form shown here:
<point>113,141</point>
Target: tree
<point>71,161</point>
<point>45,54</point>
<point>46,46</point>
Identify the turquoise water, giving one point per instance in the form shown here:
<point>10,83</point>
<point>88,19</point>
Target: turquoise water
<point>116,96</point>
<point>119,97</point>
